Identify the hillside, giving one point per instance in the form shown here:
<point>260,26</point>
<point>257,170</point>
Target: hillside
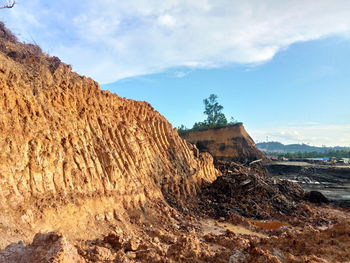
<point>293,148</point>
<point>65,141</point>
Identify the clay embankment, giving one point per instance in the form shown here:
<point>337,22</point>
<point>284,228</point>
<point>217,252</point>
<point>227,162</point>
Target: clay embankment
<point>231,143</point>
<point>72,151</point>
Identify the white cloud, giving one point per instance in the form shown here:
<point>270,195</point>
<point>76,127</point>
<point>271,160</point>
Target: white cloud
<point>110,40</point>
<point>181,73</point>
<point>167,21</point>
<point>314,134</point>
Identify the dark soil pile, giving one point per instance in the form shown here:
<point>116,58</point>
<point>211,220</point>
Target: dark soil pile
<point>250,192</point>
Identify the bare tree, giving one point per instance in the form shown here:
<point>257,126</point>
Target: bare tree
<point>9,4</point>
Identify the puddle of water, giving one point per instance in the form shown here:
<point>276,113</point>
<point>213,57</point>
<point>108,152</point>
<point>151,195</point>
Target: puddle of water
<point>239,229</point>
<point>219,228</point>
<point>269,225</point>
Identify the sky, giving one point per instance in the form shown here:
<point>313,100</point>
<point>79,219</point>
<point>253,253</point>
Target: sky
<point>280,67</point>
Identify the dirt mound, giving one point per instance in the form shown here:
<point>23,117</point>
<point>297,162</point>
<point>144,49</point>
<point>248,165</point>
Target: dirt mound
<point>70,150</point>
<point>250,192</point>
<point>231,143</point>
<point>316,197</point>
<point>46,248</point>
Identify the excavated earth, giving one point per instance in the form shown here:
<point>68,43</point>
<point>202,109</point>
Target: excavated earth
<point>87,176</point>
<point>230,143</point>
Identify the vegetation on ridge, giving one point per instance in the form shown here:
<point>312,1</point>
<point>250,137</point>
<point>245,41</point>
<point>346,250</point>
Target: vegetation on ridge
<point>215,117</point>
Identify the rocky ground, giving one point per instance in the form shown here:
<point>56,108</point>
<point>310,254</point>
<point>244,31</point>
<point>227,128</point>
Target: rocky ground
<point>243,216</point>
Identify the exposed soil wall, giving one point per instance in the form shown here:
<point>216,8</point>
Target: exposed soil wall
<point>231,143</point>
<point>69,149</point>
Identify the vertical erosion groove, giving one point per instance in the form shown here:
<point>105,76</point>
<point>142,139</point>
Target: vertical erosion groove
<point>63,138</point>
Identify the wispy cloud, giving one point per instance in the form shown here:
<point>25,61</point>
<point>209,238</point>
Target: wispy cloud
<point>181,73</point>
<point>110,40</point>
<point>314,134</point>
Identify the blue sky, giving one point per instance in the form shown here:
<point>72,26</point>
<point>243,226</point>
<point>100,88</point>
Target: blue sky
<point>305,88</point>
<point>281,67</point>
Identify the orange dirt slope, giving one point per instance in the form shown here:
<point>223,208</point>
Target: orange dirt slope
<point>71,150</point>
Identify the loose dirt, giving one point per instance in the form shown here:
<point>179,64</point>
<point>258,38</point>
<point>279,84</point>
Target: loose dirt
<point>211,226</point>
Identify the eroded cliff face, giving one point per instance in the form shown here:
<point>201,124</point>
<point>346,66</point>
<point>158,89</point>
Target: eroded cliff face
<point>70,152</point>
<point>86,176</point>
<point>231,143</point>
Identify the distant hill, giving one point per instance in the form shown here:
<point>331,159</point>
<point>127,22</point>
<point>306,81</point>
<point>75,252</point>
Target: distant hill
<point>292,148</point>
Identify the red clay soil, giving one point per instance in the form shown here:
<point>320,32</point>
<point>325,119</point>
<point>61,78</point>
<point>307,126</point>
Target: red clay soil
<point>87,176</point>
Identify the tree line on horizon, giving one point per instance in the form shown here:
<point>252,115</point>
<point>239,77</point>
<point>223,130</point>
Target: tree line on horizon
<point>275,147</point>
<point>300,151</point>
<point>302,155</point>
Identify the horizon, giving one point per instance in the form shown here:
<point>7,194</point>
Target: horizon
<point>323,146</point>
<point>280,69</point>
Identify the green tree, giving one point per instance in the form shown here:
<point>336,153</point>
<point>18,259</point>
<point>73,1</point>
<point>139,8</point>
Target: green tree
<point>213,110</point>
<point>215,116</point>
<point>199,126</point>
<point>182,129</point>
